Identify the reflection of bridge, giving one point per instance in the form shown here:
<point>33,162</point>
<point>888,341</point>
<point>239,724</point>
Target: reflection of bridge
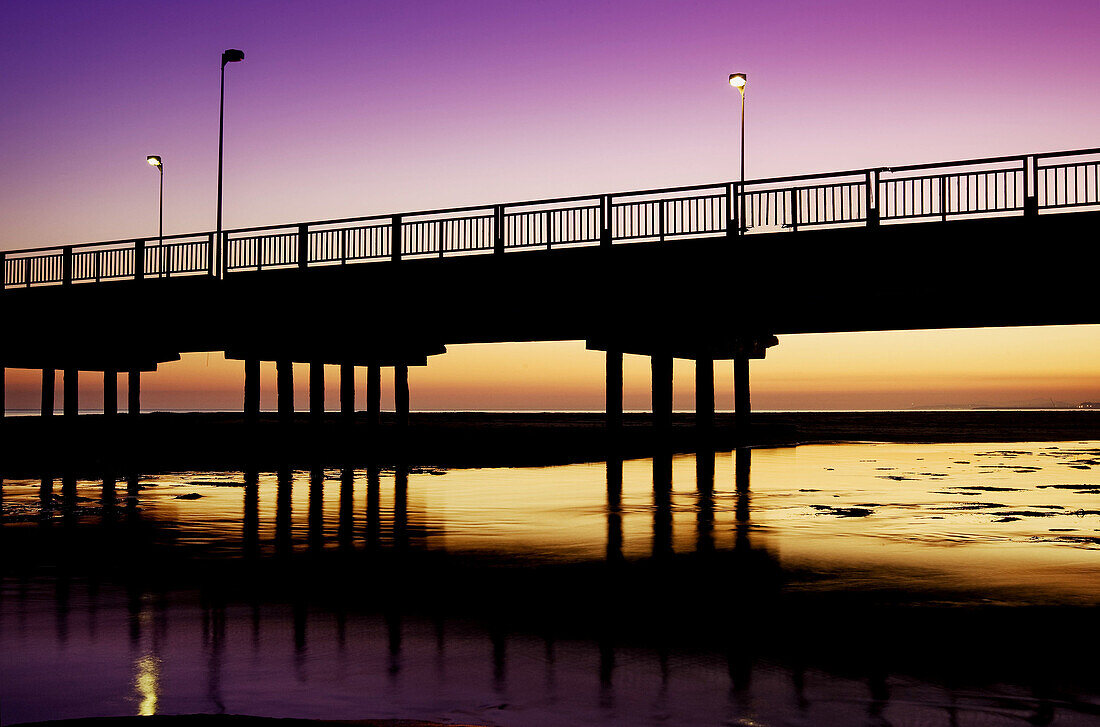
<point>719,276</point>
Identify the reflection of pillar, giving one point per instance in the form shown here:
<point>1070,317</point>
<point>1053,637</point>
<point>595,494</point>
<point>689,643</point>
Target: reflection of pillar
<point>742,466</point>
<point>282,512</point>
<point>613,392</point>
<point>316,509</point>
<point>110,393</point>
<point>499,640</point>
<point>741,400</point>
<point>401,506</point>
<point>401,395</point>
<point>216,609</point>
<point>704,480</point>
<point>704,394</point>
<point>45,499</point>
<point>108,498</point>
<point>133,488</point>
<point>614,509</point>
<point>68,492</point>
<point>344,529</point>
<point>662,394</point>
<point>607,670</point>
<point>252,513</point>
<point>393,637</point>
<point>48,378</point>
<point>374,525</point>
<point>662,505</point>
<point>285,384</point>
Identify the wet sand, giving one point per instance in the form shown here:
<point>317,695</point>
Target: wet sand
<point>164,441</point>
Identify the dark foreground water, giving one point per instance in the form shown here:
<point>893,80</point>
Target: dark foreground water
<point>816,585</point>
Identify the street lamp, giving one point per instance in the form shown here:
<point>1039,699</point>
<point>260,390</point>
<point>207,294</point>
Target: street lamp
<point>156,161</point>
<point>228,56</point>
<point>738,80</point>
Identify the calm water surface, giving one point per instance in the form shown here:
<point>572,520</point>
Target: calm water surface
<point>771,587</point>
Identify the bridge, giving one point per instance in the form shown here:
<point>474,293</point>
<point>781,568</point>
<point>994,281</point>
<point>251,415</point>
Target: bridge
<point>710,272</point>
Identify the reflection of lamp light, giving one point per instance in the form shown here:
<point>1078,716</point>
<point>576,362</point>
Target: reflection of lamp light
<point>147,684</point>
<point>228,56</point>
<point>155,161</point>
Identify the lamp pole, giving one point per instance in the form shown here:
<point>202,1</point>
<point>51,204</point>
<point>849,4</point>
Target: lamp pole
<point>741,401</point>
<point>231,55</point>
<point>738,81</point>
<point>157,162</point>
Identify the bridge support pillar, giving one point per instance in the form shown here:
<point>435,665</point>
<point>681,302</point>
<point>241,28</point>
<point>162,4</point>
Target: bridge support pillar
<point>48,378</point>
<point>285,382</point>
<point>704,394</point>
<point>110,393</point>
<point>133,393</point>
<point>374,395</point>
<point>613,392</point>
<point>252,390</point>
<point>661,365</point>
<point>347,391</point>
<point>401,394</point>
<point>741,401</point>
<point>71,383</point>
<point>316,392</point>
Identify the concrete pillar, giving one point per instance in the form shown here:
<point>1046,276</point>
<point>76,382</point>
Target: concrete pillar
<point>614,391</point>
<point>704,394</point>
<point>741,401</point>
<point>347,391</point>
<point>71,403</point>
<point>285,383</point>
<point>48,377</point>
<point>374,395</point>
<point>316,392</point>
<point>133,393</point>
<point>401,394</point>
<point>110,392</point>
<point>662,393</point>
<point>252,390</point>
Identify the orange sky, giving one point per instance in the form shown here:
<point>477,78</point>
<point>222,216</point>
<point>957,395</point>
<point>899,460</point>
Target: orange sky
<point>962,368</point>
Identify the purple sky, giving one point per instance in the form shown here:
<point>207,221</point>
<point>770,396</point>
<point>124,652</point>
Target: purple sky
<point>346,108</point>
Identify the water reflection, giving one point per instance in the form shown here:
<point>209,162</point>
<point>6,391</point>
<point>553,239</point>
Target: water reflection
<point>614,510</point>
<point>632,604</point>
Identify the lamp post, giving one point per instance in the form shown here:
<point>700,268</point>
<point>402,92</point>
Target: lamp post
<point>228,56</point>
<point>738,80</point>
<point>159,164</point>
<point>741,401</point>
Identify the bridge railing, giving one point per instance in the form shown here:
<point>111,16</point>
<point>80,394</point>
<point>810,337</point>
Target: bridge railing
<point>990,187</point>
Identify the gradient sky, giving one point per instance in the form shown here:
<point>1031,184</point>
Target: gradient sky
<point>349,108</point>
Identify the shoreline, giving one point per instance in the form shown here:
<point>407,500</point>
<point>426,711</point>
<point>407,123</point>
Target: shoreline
<point>174,441</point>
<point>161,441</point>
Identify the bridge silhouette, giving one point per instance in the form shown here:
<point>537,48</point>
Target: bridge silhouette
<point>710,272</point>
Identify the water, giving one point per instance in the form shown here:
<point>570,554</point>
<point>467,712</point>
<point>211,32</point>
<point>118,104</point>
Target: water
<point>822,584</point>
